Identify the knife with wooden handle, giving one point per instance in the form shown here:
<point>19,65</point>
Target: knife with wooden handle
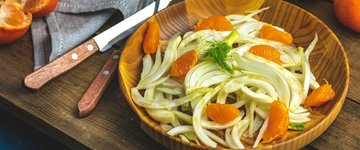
<point>101,42</point>
<point>61,65</point>
<point>92,96</point>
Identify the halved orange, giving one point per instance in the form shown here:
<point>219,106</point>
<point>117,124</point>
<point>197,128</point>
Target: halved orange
<point>40,7</point>
<point>37,7</point>
<point>13,22</point>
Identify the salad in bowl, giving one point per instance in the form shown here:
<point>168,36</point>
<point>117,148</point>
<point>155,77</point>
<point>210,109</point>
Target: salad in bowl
<point>233,82</point>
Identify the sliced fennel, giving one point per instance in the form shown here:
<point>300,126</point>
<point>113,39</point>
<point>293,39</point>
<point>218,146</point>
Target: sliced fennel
<point>169,57</point>
<point>252,85</point>
<point>261,132</point>
<point>305,67</point>
<point>229,141</point>
<point>293,84</point>
<point>147,65</point>
<point>237,131</point>
<point>276,80</point>
<point>197,117</point>
<point>161,103</point>
<point>161,115</point>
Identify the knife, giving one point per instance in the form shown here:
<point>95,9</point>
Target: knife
<point>101,42</point>
<point>92,96</point>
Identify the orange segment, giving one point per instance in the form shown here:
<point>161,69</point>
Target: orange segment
<point>320,96</point>
<point>13,22</point>
<point>270,33</point>
<point>183,64</point>
<point>278,122</point>
<point>218,23</point>
<point>40,7</point>
<point>267,52</point>
<point>152,38</point>
<point>222,113</point>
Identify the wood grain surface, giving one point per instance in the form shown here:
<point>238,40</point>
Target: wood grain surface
<point>302,25</point>
<point>53,110</point>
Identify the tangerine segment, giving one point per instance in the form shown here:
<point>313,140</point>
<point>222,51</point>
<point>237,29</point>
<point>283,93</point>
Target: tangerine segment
<point>13,22</point>
<point>267,52</point>
<point>270,33</point>
<point>222,113</point>
<point>183,64</point>
<point>278,122</point>
<point>152,38</point>
<point>218,23</point>
<point>40,7</point>
<point>320,96</point>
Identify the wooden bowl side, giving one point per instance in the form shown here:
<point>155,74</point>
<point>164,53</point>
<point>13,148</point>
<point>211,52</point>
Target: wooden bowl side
<point>328,61</point>
<point>130,66</point>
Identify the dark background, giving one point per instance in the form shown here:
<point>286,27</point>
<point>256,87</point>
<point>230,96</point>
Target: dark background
<point>15,134</point>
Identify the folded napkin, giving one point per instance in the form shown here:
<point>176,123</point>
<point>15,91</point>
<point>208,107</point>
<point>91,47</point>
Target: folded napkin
<point>73,22</point>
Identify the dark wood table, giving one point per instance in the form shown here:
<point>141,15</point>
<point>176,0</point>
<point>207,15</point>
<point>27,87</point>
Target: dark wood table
<point>53,110</point>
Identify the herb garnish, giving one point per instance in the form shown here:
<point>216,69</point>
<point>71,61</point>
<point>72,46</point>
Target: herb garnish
<point>296,126</point>
<point>219,50</point>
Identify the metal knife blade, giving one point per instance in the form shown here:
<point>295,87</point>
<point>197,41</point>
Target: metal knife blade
<point>107,37</point>
<point>101,42</point>
<point>90,99</point>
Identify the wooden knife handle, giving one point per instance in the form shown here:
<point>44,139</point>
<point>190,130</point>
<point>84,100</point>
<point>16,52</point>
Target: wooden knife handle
<point>92,96</point>
<point>61,65</point>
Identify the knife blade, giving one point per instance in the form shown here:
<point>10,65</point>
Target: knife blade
<point>101,42</point>
<point>93,94</point>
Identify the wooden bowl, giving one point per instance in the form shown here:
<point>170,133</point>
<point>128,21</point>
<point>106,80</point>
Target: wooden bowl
<point>328,61</point>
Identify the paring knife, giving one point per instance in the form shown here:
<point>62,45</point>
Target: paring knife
<point>101,42</point>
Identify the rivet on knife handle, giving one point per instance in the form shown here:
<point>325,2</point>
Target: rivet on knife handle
<point>61,65</point>
<point>92,96</point>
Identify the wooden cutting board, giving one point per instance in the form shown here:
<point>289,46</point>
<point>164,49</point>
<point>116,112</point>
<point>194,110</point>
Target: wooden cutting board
<point>53,109</point>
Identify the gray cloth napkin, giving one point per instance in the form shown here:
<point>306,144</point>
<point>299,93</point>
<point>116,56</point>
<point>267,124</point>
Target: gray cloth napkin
<point>73,22</point>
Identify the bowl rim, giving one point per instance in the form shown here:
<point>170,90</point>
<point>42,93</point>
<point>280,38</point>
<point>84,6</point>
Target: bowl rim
<point>329,117</point>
